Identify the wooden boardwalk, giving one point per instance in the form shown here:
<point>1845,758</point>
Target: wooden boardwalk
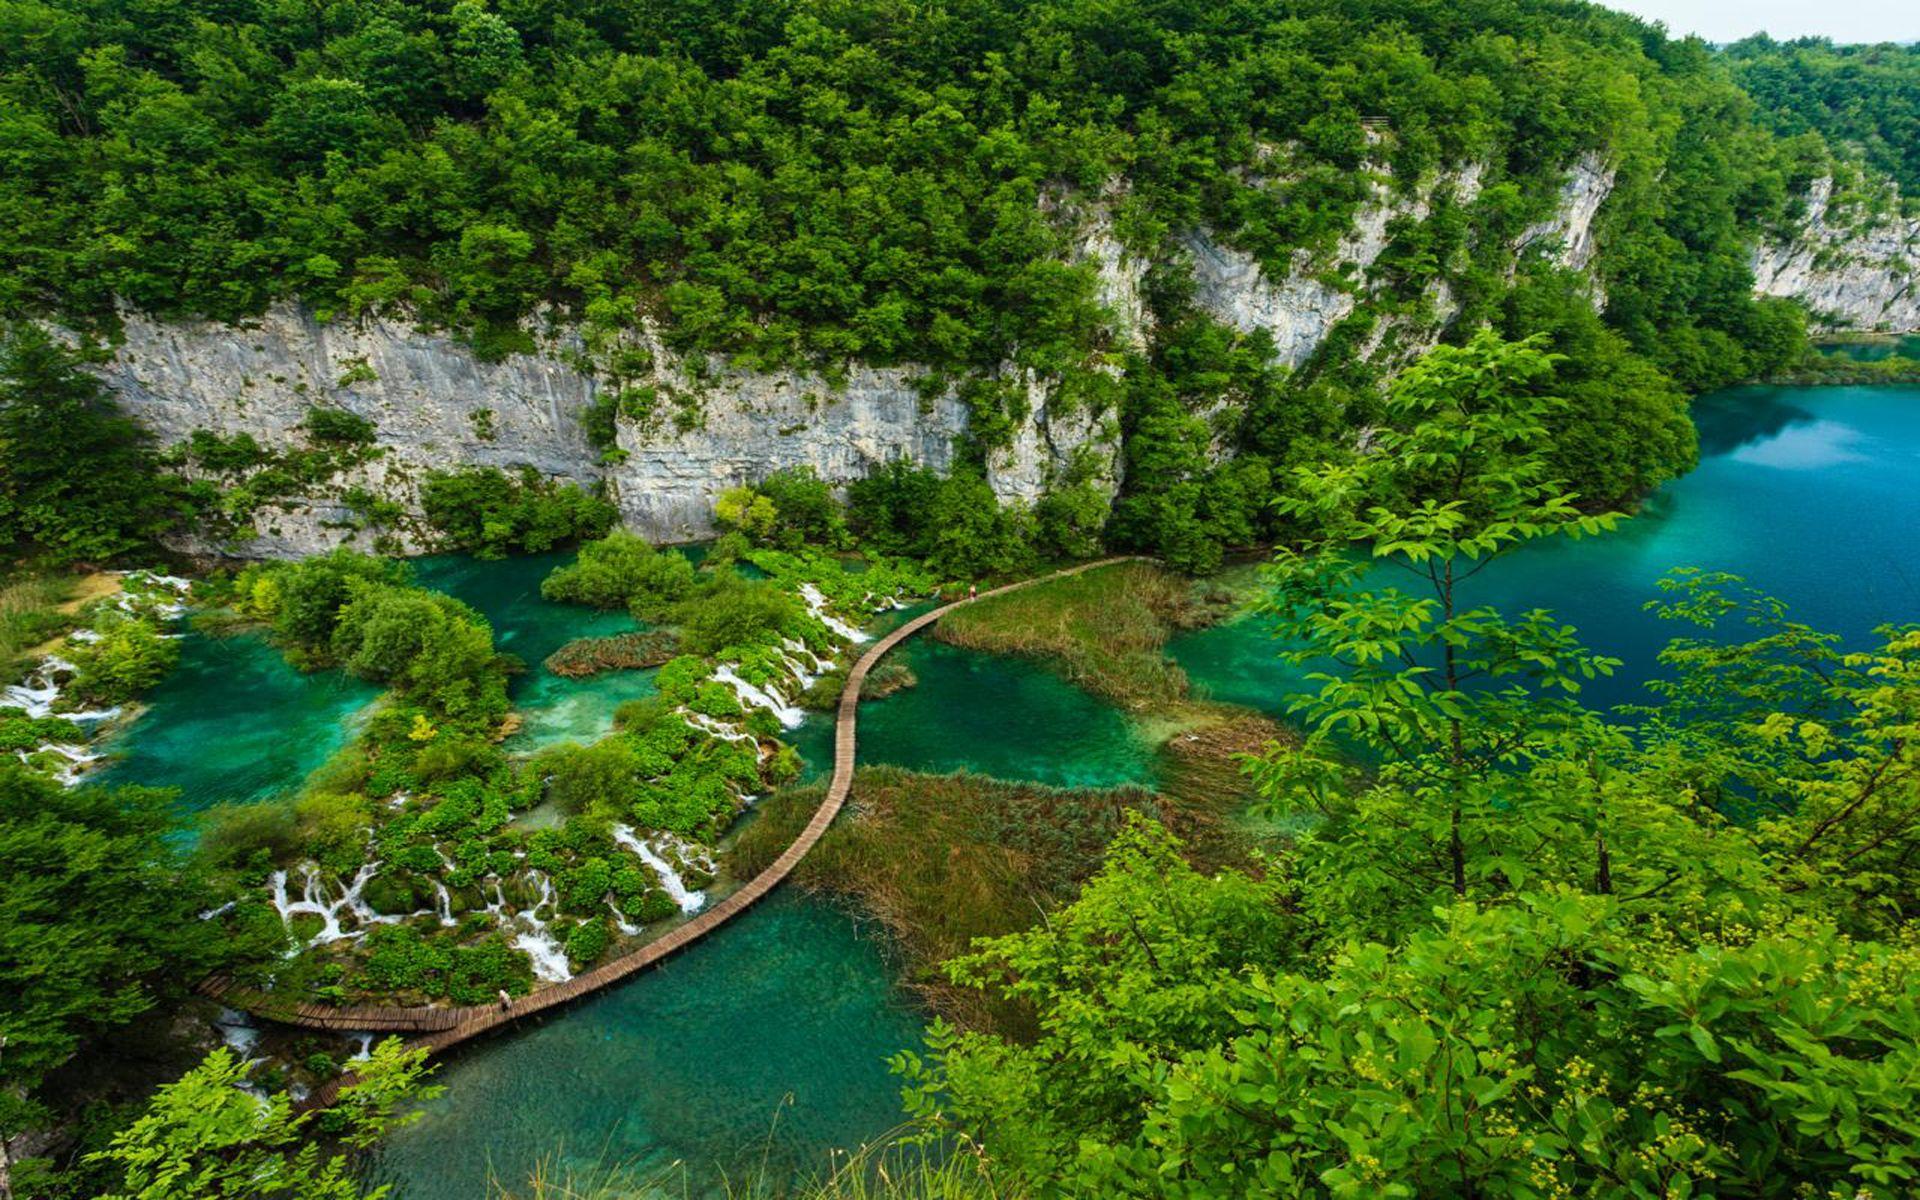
<point>438,1027</point>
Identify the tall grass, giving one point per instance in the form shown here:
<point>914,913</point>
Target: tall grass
<point>895,1167</point>
<point>941,860</point>
<point>1106,630</point>
<point>29,615</point>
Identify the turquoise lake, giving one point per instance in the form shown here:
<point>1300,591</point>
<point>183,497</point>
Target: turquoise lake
<point>1810,494</point>
<point>766,1044</point>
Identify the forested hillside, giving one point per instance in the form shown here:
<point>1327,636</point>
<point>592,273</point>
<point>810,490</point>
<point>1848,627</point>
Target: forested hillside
<point>1865,97</point>
<point>858,178</point>
<point>811,185</point>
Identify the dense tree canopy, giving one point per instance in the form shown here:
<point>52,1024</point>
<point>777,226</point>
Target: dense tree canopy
<point>97,922</point>
<point>77,480</point>
<point>1862,96</point>
<point>786,180</point>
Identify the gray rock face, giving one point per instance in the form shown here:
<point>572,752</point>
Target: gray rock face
<point>1864,279</point>
<point>436,406</point>
<point>1567,238</point>
<point>1299,309</point>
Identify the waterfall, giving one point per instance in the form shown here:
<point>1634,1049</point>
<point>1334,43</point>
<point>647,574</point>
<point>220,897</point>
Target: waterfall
<point>690,901</point>
<point>38,691</point>
<point>315,901</point>
<point>789,715</point>
<point>817,605</point>
<point>363,1046</point>
<point>238,1032</point>
<point>444,905</point>
<point>550,963</point>
<point>708,725</point>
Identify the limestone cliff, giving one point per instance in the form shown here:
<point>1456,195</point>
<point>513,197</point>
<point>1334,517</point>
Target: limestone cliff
<point>1860,276</point>
<point>435,405</point>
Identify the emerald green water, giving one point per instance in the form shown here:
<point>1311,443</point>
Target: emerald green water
<point>507,593</point>
<point>234,723</point>
<point>766,1044</point>
<point>1873,351</point>
<point>1811,494</point>
<point>990,715</point>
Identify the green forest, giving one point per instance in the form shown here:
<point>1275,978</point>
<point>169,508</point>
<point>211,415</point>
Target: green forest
<point>1492,941</point>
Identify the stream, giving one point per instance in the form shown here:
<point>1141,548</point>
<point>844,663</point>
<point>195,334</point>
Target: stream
<point>763,1047</point>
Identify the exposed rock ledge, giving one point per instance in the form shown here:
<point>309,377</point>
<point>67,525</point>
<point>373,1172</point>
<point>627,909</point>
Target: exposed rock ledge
<point>1860,279</point>
<point>435,405</point>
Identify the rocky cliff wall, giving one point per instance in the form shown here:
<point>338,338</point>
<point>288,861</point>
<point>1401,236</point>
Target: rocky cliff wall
<point>1857,278</point>
<point>435,405</point>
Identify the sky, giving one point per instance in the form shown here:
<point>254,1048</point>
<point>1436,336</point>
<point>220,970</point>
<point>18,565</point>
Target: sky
<point>1731,20</point>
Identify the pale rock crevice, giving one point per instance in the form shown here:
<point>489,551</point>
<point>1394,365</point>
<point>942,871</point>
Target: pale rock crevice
<point>1849,278</point>
<point>1302,307</point>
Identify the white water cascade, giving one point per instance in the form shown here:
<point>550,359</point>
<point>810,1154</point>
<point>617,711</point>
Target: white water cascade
<point>690,901</point>
<point>817,605</point>
<point>314,900</point>
<point>550,963</point>
<point>789,715</point>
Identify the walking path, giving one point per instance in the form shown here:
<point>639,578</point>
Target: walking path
<point>439,1028</point>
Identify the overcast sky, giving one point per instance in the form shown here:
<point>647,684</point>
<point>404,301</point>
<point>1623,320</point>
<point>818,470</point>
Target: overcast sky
<point>1731,20</point>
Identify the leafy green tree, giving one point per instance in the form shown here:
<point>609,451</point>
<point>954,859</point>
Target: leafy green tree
<point>1440,695</point>
<point>622,571</point>
<point>1191,1046</point>
<point>488,513</point>
<point>77,481</point>
<point>204,1137</point>
<point>98,923</point>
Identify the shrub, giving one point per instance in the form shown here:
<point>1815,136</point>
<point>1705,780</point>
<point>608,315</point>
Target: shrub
<point>733,612</point>
<point>587,941</point>
<point>621,571</point>
<point>339,426</point>
<point>129,657</point>
<point>485,512</point>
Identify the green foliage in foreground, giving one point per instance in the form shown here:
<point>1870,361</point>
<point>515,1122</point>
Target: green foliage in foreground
<point>77,480</point>
<point>204,1138</point>
<point>1516,950</point>
<point>97,923</point>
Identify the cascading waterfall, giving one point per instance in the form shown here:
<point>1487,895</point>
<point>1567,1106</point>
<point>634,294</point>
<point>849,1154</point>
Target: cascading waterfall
<point>238,1032</point>
<point>38,691</point>
<point>443,903</point>
<point>789,715</point>
<point>724,732</point>
<point>550,963</point>
<point>817,605</point>
<point>689,900</point>
<point>315,901</point>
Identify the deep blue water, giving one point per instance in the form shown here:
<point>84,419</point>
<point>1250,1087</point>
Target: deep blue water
<point>1810,494</point>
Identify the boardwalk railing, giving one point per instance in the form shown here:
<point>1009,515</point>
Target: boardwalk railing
<point>438,1027</point>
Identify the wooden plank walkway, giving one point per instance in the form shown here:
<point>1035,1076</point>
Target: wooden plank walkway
<point>440,1027</point>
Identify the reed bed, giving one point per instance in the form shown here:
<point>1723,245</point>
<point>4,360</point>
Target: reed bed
<point>1105,630</point>
<point>30,615</point>
<point>940,860</point>
<point>582,657</point>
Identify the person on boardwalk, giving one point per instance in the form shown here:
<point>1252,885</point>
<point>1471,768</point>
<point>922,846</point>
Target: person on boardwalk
<point>506,1001</point>
<point>973,591</point>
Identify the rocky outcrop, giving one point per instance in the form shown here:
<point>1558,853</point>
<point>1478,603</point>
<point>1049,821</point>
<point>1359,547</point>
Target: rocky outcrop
<point>1858,277</point>
<point>1301,307</point>
<point>1567,237</point>
<point>435,405</point>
